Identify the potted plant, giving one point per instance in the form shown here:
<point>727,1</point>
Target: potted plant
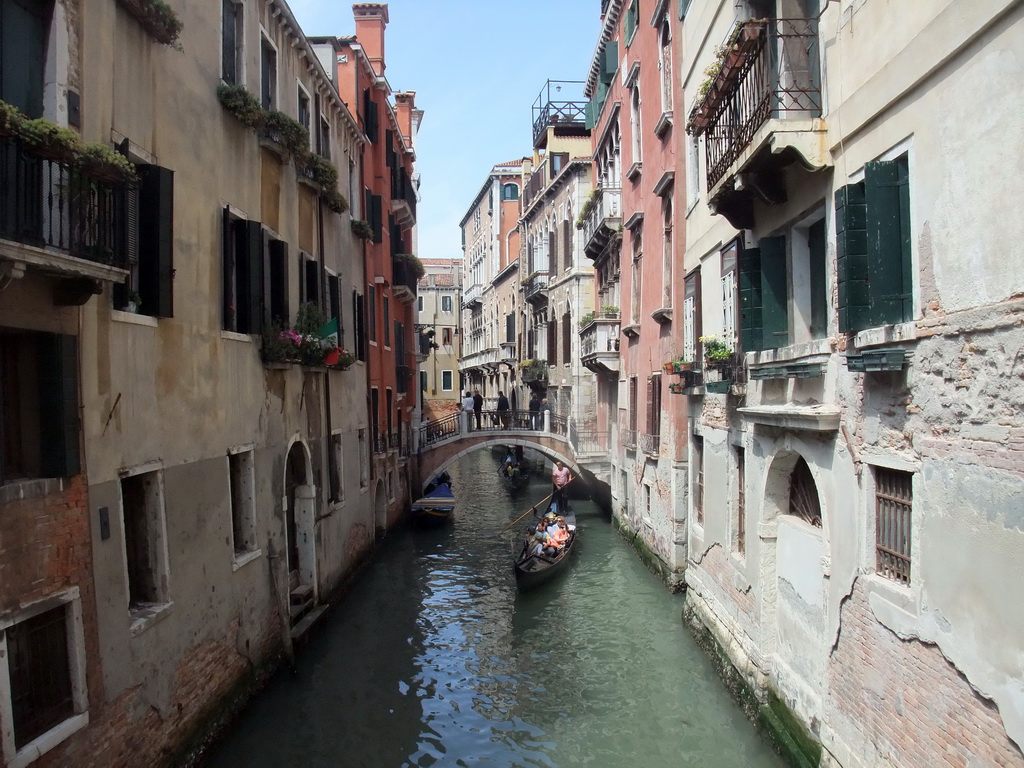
<point>362,229</point>
<point>716,351</point>
<point>286,131</point>
<point>134,302</point>
<point>610,310</point>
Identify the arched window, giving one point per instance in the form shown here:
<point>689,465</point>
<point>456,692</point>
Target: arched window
<point>509,192</point>
<point>803,494</point>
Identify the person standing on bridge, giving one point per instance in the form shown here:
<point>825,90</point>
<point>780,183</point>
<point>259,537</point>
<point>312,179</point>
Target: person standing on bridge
<point>478,406</point>
<point>467,408</point>
<point>560,477</point>
<point>502,409</point>
<point>534,410</point>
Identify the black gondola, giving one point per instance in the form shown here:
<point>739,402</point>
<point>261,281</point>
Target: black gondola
<point>437,504</point>
<point>515,474</point>
<point>532,570</point>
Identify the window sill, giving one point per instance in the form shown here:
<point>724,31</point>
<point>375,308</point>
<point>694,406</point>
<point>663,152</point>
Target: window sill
<point>885,334</point>
<point>233,336</point>
<point>632,330</point>
<point>790,353</point>
<point>662,315</point>
<point>144,618</point>
<point>30,488</point>
<point>47,741</point>
<point>244,558</point>
<point>133,318</point>
<point>894,605</point>
<point>634,170</point>
<point>664,123</point>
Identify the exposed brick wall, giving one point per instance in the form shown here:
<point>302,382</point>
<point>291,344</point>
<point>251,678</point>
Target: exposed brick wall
<point>902,701</point>
<point>717,564</point>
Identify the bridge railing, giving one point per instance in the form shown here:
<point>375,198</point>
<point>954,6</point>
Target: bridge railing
<point>492,421</point>
<point>438,430</point>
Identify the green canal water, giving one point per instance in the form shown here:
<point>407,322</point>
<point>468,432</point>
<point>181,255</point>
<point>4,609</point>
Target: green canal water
<point>433,659</point>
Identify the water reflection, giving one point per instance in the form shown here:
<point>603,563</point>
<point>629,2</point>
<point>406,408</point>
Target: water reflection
<point>434,660</point>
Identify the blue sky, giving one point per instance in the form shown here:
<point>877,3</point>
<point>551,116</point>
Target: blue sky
<point>477,67</point>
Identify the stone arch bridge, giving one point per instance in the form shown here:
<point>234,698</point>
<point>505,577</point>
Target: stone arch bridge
<point>445,441</point>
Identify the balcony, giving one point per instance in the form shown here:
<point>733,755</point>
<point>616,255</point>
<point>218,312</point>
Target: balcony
<point>534,370</point>
<point>599,345</point>
<point>761,113</point>
<point>535,287</point>
<point>560,105</point>
<point>649,444</point>
<point>508,351</point>
<point>602,220</point>
<point>403,197</point>
<point>484,360</point>
<point>403,280</point>
<point>536,184</point>
<point>473,295</point>
<point>57,219</point>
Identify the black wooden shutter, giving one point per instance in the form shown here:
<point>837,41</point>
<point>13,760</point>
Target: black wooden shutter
<point>368,206</point>
<point>552,341</point>
<point>553,252</point>
<point>882,194</point>
<point>852,258</point>
<point>156,240</point>
<point>312,270</point>
<point>278,258</point>
<point>751,326</point>
<point>377,219</point>
<point>58,394</point>
<point>334,294</point>
<point>228,271</point>
<point>510,327</point>
<point>250,300</point>
<point>566,338</point>
<point>228,41</point>
<point>774,293</point>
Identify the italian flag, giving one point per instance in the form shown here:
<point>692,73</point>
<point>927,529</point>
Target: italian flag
<point>329,341</point>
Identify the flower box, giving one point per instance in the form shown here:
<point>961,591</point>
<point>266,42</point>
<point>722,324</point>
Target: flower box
<point>718,387</point>
<point>876,360</point>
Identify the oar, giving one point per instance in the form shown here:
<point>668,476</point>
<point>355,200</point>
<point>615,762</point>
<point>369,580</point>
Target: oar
<point>533,508</point>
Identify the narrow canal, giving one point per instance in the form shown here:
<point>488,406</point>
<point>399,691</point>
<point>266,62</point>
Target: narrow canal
<point>434,660</point>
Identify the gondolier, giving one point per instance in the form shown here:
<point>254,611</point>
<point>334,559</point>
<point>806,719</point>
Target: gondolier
<point>560,477</point>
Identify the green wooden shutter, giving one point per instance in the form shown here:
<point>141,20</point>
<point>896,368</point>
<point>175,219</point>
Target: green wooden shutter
<point>683,7</point>
<point>156,240</point>
<point>751,325</point>
<point>774,293</point>
<point>24,28</point>
<point>903,191</point>
<point>609,61</point>
<point>631,17</point>
<point>852,258</point>
<point>58,394</point>
<point>885,242</point>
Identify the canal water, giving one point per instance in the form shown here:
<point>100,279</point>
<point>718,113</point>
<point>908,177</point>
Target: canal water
<point>433,659</point>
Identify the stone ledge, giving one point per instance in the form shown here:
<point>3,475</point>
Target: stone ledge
<point>814,418</point>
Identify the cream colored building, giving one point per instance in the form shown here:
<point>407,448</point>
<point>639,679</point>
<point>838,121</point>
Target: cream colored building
<point>439,309</point>
<point>856,489</point>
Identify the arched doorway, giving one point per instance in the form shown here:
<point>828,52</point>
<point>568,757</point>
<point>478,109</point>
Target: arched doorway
<point>793,588</point>
<point>300,514</point>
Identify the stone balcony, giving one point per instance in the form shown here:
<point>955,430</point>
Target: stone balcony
<point>602,221</point>
<point>599,345</point>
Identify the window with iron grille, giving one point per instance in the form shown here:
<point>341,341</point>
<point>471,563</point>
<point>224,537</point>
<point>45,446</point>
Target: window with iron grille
<point>741,500</point>
<point>698,478</point>
<point>894,495</point>
<point>803,494</point>
<point>42,686</point>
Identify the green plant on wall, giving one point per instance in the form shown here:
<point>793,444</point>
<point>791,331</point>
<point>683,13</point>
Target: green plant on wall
<point>245,107</point>
<point>414,263</point>
<point>157,18</point>
<point>362,229</point>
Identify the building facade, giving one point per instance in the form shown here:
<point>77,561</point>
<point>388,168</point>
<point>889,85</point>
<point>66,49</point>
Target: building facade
<point>855,447</point>
<point>439,336</point>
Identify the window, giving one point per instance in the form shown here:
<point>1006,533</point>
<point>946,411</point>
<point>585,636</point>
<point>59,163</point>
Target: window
<point>558,161</point>
<point>631,437</point>
<point>423,381</point>
<point>567,241</point>
<point>303,111</point>
<point>310,280</point>
<point>446,336</point>
<point>242,481</point>
<point>337,468</point>
<point>24,33</point>
<point>567,335</point>
<point>692,172</point>
<point>242,274</point>
<point>741,499</point>
<point>654,405</point>
<point>149,206</point>
<point>387,321</point>
<point>810,289</point>
<point>278,269</point>
<point>268,74</point>
<point>419,303</point>
<point>764,295</point>
<point>42,676</point>
<point>730,294</point>
<point>446,303</point>
<point>637,241</point>
<point>447,381</point>
<point>39,405</point>
<point>698,478</point>
<point>666,268</point>
<point>894,496</point>
<point>665,66</point>
<point>553,253</point>
<point>359,323</point>
<point>334,304</point>
<point>691,316</point>
<point>632,17</point>
<point>371,312</point>
<point>635,125</point>
<point>803,494</point>
<point>509,192</point>
<point>371,123</point>
<point>874,263</point>
<point>364,460</point>
<point>231,42</point>
<point>145,541</point>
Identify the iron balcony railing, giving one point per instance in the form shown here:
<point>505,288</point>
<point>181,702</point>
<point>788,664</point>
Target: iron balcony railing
<point>649,444</point>
<point>560,102</point>
<point>587,441</point>
<point>380,442</point>
<point>403,276</point>
<point>538,180</point>
<point>601,219</point>
<point>50,204</point>
<point>771,72</point>
<point>536,285</point>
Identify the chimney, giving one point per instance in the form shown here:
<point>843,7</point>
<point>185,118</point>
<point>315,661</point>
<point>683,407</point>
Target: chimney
<point>405,104</point>
<point>371,19</point>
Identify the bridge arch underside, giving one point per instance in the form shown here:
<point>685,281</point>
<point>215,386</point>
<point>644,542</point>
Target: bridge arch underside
<point>441,456</point>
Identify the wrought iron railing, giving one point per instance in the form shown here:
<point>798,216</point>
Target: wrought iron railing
<point>538,180</point>
<point>556,105</point>
<point>47,203</point>
<point>536,285</point>
<point>587,440</point>
<point>380,442</point>
<point>403,275</point>
<point>649,444</point>
<point>441,429</point>
<point>773,73</point>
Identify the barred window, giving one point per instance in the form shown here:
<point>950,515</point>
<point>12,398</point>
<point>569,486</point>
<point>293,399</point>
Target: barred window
<point>893,514</point>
